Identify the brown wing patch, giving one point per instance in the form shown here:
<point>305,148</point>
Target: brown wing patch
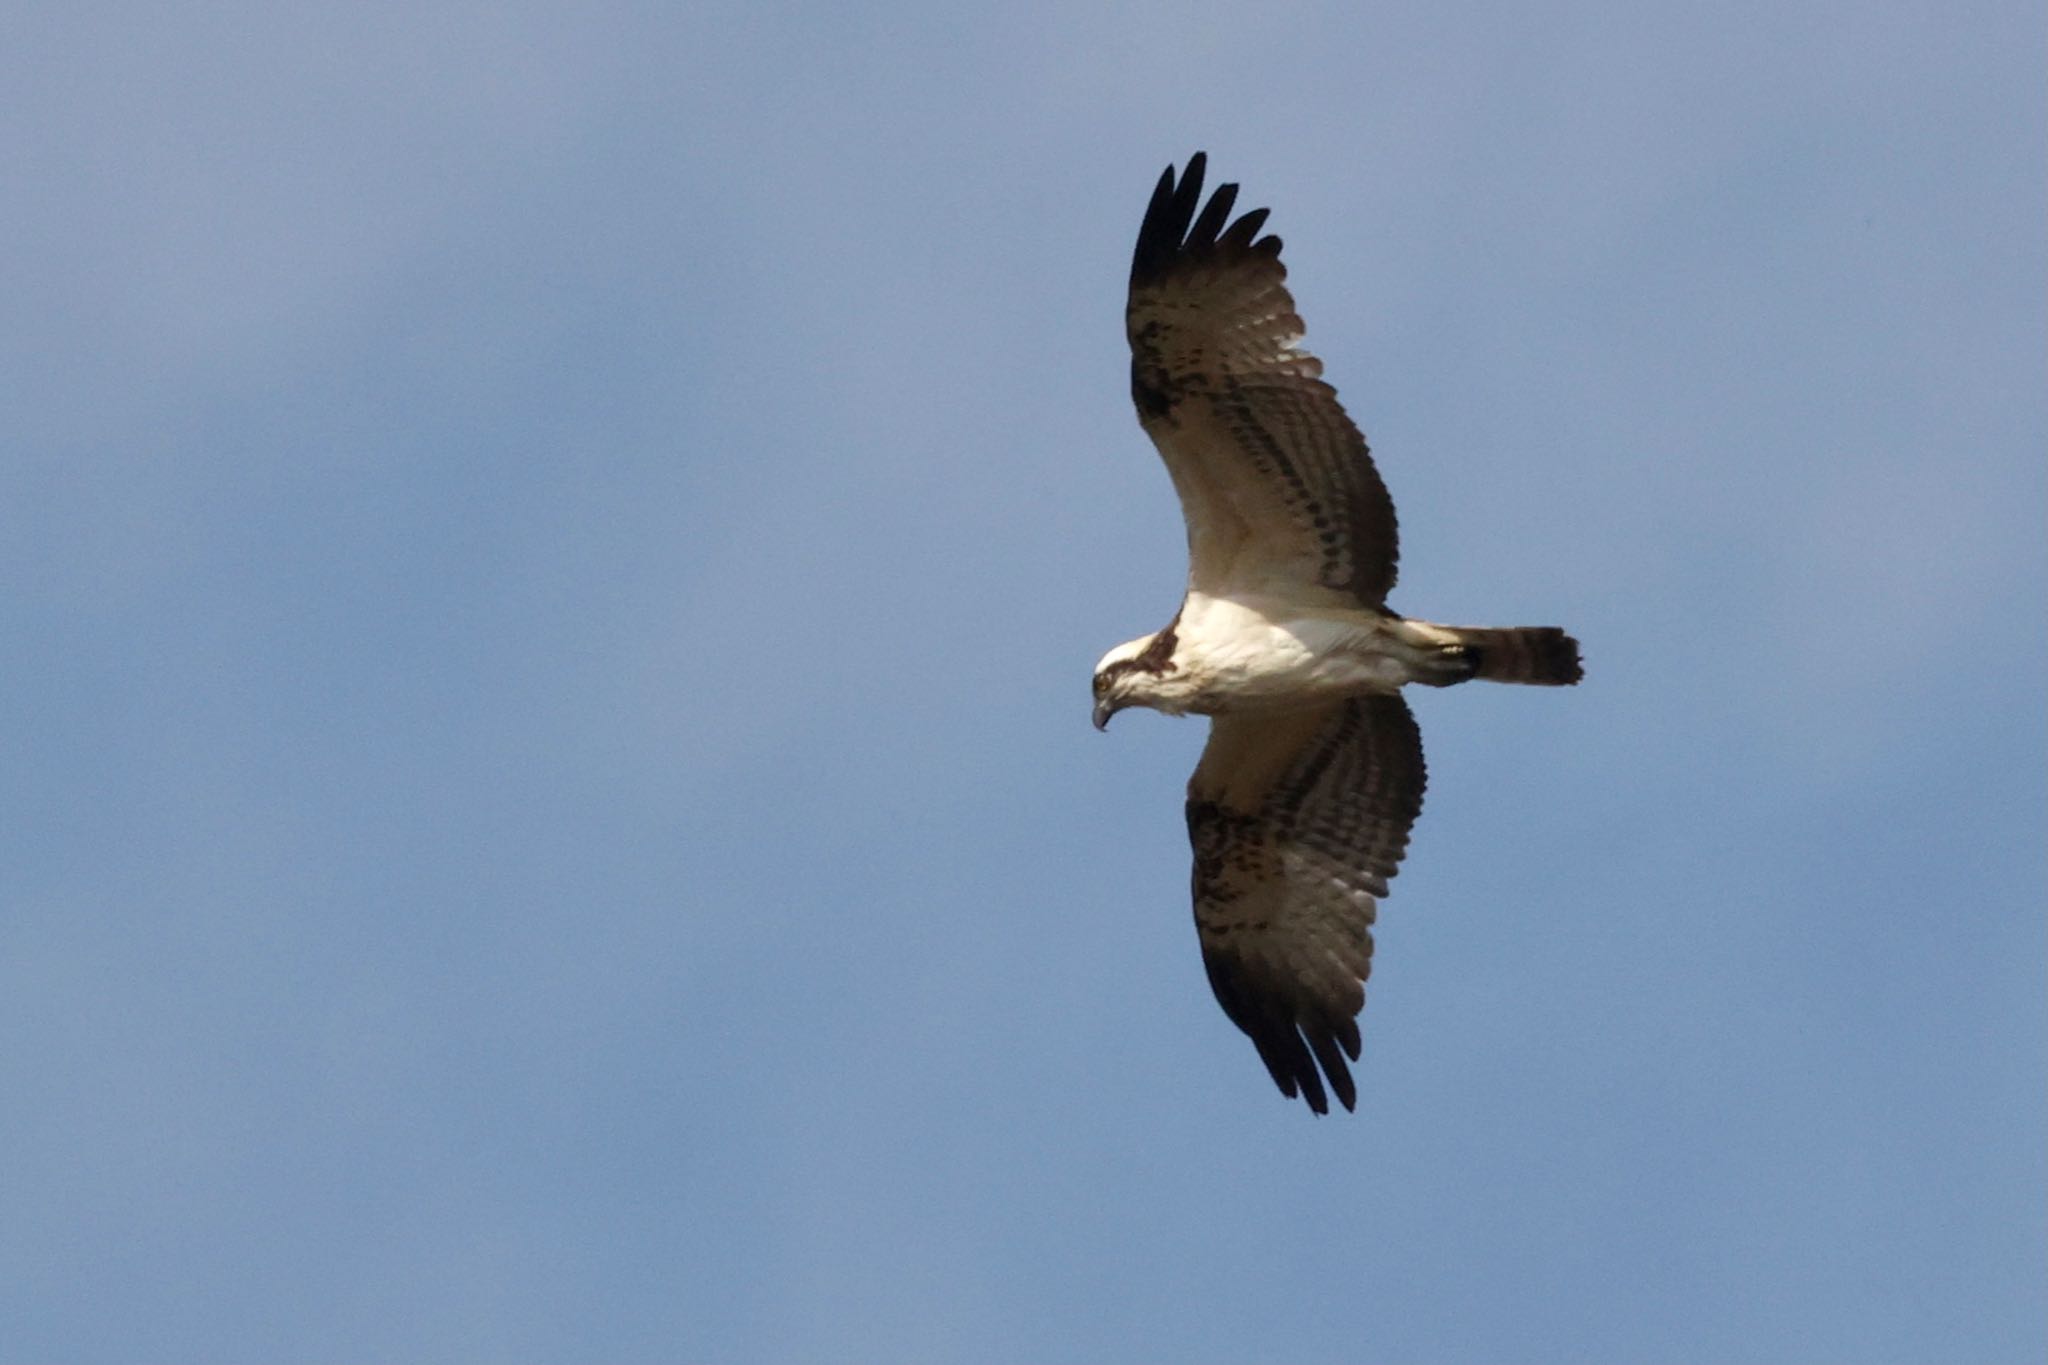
<point>1297,821</point>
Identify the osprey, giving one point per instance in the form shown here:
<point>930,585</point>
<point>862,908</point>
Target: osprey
<point>1300,807</point>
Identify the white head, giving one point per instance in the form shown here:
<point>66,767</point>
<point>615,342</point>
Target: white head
<point>1137,673</point>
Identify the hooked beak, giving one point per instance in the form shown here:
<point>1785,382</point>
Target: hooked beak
<point>1103,711</point>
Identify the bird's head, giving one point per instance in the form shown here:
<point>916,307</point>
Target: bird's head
<point>1129,675</point>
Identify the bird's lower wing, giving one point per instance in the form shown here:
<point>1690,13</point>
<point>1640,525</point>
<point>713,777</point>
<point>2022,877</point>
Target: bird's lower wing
<point>1297,820</point>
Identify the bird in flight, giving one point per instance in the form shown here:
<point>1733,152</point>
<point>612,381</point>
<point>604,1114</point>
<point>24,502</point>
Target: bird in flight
<point>1300,807</point>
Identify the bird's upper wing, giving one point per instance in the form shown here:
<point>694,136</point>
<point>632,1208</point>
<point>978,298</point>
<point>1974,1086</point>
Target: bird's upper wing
<point>1297,820</point>
<point>1275,482</point>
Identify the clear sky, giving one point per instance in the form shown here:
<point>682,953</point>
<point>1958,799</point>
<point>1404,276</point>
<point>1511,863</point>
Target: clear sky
<point>550,560</point>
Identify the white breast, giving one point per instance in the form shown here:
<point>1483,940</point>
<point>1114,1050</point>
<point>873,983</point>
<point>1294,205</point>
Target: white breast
<point>1247,654</point>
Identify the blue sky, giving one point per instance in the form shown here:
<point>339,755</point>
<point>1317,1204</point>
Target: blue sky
<point>552,560</point>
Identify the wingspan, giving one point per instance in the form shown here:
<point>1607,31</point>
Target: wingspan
<point>1297,821</point>
<point>1276,484</point>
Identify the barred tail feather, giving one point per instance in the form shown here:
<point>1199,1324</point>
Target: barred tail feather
<point>1542,655</point>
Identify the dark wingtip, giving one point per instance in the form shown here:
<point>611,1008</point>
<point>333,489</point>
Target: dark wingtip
<point>1172,230</point>
<point>1298,1057</point>
<point>1301,1058</point>
<point>1166,220</point>
<point>1325,1045</point>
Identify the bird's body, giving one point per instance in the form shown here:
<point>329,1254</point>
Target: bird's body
<point>1301,805</point>
<point>1251,651</point>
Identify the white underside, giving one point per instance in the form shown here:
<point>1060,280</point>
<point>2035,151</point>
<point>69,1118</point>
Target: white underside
<point>1249,654</point>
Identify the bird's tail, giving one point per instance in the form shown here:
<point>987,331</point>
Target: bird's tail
<point>1542,655</point>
